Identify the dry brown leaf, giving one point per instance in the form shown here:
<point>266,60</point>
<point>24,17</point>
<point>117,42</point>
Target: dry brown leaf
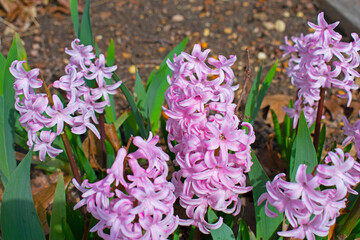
<point>8,6</point>
<point>44,198</point>
<point>276,102</point>
<point>92,149</point>
<point>21,14</point>
<point>112,137</point>
<point>334,107</point>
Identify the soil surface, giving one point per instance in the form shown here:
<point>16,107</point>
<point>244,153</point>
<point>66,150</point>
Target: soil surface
<point>145,31</point>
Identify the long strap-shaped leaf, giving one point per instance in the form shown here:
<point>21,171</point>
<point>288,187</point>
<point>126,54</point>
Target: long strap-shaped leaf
<point>265,85</point>
<point>265,226</point>
<point>134,109</point>
<point>304,150</point>
<point>58,211</point>
<point>75,16</point>
<point>18,215</point>
<point>7,115</point>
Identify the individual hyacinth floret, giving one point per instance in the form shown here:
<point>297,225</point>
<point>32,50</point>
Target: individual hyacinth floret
<point>320,60</point>
<point>353,134</point>
<point>36,113</point>
<point>134,201</point>
<point>211,150</point>
<point>309,210</point>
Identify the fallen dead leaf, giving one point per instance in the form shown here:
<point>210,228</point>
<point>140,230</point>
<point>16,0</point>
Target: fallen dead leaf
<point>276,102</point>
<point>92,149</point>
<point>44,198</point>
<point>112,137</point>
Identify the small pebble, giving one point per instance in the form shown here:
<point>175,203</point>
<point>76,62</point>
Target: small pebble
<point>286,14</point>
<point>206,32</point>
<point>132,69</point>
<point>98,38</point>
<point>36,46</point>
<point>227,30</point>
<point>280,26</point>
<point>178,18</point>
<point>161,49</point>
<point>300,14</point>
<point>261,16</point>
<point>269,25</point>
<point>261,56</point>
<point>34,53</point>
<point>126,55</point>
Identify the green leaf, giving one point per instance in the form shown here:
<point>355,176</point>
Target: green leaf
<point>134,109</point>
<point>222,233</point>
<point>75,220</point>
<point>278,134</point>
<point>266,227</point>
<point>243,233</point>
<point>86,36</point>
<point>305,152</point>
<point>287,130</point>
<point>176,234</point>
<point>21,52</point>
<point>347,148</point>
<point>151,77</point>
<point>2,71</point>
<point>110,154</point>
<point>156,90</point>
<point>110,115</point>
<point>121,120</point>
<point>67,230</point>
<point>85,164</point>
<point>81,158</point>
<point>321,143</point>
<point>19,219</point>
<point>7,116</point>
<point>250,103</point>
<point>265,85</point>
<point>75,16</point>
<point>110,56</point>
<point>140,93</point>
<point>58,211</point>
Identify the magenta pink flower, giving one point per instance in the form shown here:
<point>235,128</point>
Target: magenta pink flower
<point>80,54</point>
<point>31,111</point>
<point>353,134</point>
<point>58,114</point>
<point>223,66</point>
<point>25,81</point>
<point>309,210</point>
<point>324,31</point>
<point>104,91</point>
<point>196,61</point>
<point>43,145</point>
<point>212,152</point>
<point>99,71</point>
<point>321,60</point>
<point>78,113</point>
<point>143,209</point>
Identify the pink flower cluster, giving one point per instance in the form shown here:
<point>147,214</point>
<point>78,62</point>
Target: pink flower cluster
<point>212,152</point>
<point>35,111</point>
<point>134,201</point>
<point>353,134</point>
<point>320,60</point>
<point>309,210</point>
